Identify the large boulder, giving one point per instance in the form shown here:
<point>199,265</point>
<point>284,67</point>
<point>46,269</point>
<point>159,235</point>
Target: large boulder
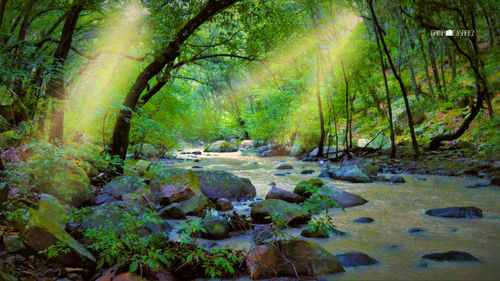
<point>276,150</point>
<point>46,226</point>
<point>213,184</point>
<point>291,213</point>
<point>304,188</point>
<point>352,259</point>
<point>60,178</point>
<point>221,184</point>
<point>417,115</point>
<point>126,188</point>
<point>221,146</point>
<point>284,167</point>
<point>197,205</point>
<point>291,258</point>
<point>247,144</point>
<point>456,256</point>
<point>173,211</point>
<point>344,198</point>
<point>285,195</point>
<point>112,216</point>
<point>456,212</point>
<point>216,228</point>
<point>347,173</point>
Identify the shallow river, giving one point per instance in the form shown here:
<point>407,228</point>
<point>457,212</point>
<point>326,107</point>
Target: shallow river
<point>395,208</point>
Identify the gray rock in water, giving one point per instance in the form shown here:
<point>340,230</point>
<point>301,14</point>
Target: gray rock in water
<point>317,233</point>
<point>278,193</point>
<point>456,212</point>
<point>415,230</point>
<point>307,172</point>
<point>457,256</point>
<point>397,179</point>
<point>284,167</point>
<point>364,220</point>
<point>221,146</point>
<point>347,173</point>
<point>352,259</point>
<point>346,199</point>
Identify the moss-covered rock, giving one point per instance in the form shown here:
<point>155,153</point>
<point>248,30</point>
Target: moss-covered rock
<point>46,226</point>
<point>291,258</point>
<point>114,214</point>
<point>290,213</point>
<point>221,146</point>
<point>197,205</point>
<point>314,233</point>
<point>221,184</point>
<point>302,187</point>
<point>213,184</point>
<point>60,178</point>
<point>216,228</point>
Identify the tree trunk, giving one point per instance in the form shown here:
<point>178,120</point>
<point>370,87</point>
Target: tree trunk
<point>432,57</point>
<point>401,85</point>
<point>424,57</point>
<point>387,94</point>
<point>320,110</point>
<point>121,130</point>
<point>476,65</point>
<point>2,11</point>
<point>55,87</point>
<point>346,81</point>
<point>452,59</point>
<point>442,69</point>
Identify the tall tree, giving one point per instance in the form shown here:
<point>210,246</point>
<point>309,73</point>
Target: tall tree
<point>55,87</point>
<point>387,94</point>
<point>120,139</point>
<point>398,78</point>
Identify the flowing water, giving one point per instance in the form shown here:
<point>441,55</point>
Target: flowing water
<point>395,208</point>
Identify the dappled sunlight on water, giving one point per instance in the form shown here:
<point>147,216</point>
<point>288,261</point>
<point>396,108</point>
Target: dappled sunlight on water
<point>396,208</point>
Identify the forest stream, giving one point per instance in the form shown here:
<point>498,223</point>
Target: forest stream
<point>395,208</point>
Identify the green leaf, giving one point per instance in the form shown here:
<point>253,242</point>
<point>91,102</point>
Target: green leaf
<point>133,266</point>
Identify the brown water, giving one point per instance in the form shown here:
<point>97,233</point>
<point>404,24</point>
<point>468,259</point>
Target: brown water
<point>395,208</point>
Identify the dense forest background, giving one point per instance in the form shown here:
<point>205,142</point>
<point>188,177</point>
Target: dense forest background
<point>176,72</point>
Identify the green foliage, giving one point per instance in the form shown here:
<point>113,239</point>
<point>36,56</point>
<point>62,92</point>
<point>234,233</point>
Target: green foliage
<point>56,250</point>
<point>129,246</point>
<point>188,229</point>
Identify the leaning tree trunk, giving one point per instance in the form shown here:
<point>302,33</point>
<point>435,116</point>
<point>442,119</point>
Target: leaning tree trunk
<point>387,94</point>
<point>121,131</point>
<point>481,83</point>
<point>401,85</point>
<point>55,87</point>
